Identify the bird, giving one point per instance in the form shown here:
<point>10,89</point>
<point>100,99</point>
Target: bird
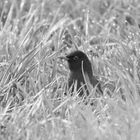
<point>81,73</point>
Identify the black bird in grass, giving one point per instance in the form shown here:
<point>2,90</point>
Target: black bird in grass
<point>81,73</point>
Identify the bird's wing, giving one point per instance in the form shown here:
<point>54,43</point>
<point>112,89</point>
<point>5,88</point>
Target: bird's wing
<point>88,82</point>
<point>92,82</point>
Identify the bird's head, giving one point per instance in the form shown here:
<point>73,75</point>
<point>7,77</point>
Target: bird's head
<point>78,60</point>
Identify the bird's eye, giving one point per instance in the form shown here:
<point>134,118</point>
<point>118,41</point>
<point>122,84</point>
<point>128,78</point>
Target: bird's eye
<point>76,58</point>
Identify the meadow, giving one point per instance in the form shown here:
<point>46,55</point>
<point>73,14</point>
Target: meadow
<point>34,102</point>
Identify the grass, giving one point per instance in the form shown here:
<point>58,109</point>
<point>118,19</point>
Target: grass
<point>33,34</point>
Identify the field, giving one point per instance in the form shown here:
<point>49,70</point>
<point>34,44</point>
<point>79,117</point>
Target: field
<point>34,102</point>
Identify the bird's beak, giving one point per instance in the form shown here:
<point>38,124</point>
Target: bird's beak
<point>63,58</point>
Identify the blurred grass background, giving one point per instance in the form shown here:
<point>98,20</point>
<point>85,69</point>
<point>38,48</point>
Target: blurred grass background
<point>33,34</point>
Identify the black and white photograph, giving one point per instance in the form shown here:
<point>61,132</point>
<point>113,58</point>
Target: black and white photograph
<point>69,70</point>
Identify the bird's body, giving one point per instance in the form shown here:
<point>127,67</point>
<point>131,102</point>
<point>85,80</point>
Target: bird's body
<point>81,73</point>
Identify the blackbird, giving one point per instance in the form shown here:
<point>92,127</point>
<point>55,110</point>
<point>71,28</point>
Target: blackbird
<point>81,74</point>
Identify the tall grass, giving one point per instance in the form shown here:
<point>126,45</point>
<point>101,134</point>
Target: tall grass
<point>33,80</point>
